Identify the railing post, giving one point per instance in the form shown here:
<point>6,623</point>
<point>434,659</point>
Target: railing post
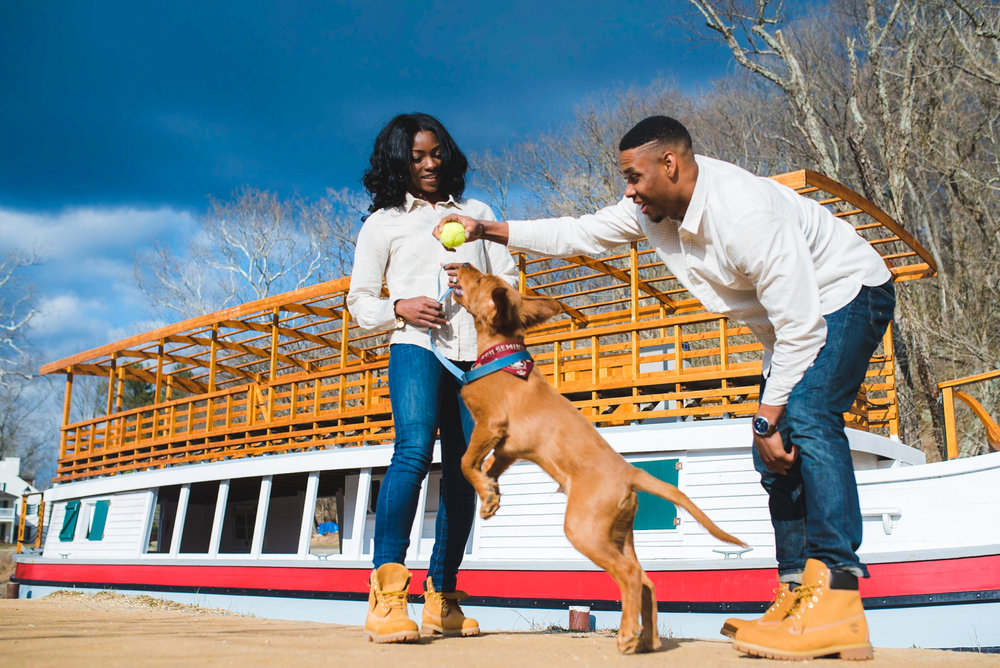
<point>67,402</point>
<point>345,323</point>
<point>950,436</point>
<point>891,393</point>
<point>724,359</point>
<point>213,353</point>
<point>273,375</point>
<point>522,275</point>
<point>120,390</point>
<point>41,522</point>
<point>111,383</point>
<point>21,522</point>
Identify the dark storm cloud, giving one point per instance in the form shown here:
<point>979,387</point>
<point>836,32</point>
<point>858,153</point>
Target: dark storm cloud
<point>136,103</point>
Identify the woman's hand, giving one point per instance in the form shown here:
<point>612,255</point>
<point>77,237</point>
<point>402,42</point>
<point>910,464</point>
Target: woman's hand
<point>421,311</point>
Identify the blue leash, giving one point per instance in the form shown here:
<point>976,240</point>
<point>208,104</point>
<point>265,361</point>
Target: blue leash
<point>466,377</point>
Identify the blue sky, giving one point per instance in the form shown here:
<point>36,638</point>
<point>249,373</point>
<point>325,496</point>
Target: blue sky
<point>120,119</point>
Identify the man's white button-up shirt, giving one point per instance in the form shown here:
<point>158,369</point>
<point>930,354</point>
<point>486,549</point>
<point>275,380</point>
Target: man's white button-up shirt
<point>749,248</point>
<point>397,244</point>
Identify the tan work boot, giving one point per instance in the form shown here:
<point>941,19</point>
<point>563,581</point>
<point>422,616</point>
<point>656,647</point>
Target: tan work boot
<point>825,620</point>
<point>443,614</point>
<point>387,620</point>
<point>784,599</point>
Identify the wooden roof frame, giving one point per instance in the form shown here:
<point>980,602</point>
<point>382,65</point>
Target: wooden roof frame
<point>99,361</point>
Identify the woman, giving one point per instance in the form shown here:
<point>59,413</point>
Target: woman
<point>417,176</point>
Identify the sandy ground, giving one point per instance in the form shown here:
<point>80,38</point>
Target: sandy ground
<point>108,630</point>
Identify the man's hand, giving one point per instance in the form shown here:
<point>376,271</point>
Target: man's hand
<point>772,448</point>
<point>421,311</point>
<point>772,451</point>
<point>490,230</point>
<point>473,227</point>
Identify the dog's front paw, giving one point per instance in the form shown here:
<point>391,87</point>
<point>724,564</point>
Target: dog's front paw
<point>490,505</point>
<point>629,643</point>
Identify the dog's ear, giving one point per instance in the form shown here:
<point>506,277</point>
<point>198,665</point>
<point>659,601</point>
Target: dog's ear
<point>535,310</point>
<point>505,318</point>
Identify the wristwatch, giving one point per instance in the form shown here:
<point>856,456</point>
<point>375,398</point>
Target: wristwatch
<point>762,426</point>
<point>400,322</point>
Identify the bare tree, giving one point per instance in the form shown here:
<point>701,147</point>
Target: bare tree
<point>252,246</point>
<point>896,99</point>
<point>20,433</point>
<point>900,77</point>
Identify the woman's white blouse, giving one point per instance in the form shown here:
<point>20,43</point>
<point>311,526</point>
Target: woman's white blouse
<point>398,245</point>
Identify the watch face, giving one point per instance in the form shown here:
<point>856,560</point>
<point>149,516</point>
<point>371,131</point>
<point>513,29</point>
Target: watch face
<point>761,425</point>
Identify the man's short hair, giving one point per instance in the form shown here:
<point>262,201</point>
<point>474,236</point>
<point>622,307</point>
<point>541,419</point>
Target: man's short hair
<point>661,129</point>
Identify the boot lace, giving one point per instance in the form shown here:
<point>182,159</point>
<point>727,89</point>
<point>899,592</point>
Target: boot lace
<point>392,599</point>
<point>442,599</point>
<point>805,596</point>
<point>779,594</point>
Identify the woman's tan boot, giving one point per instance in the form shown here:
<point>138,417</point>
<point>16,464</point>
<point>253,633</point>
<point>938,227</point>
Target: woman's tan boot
<point>784,599</point>
<point>443,615</point>
<point>387,620</point>
<point>828,618</point>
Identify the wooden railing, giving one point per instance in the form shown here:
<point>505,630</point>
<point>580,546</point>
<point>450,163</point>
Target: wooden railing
<point>949,393</point>
<point>293,372</point>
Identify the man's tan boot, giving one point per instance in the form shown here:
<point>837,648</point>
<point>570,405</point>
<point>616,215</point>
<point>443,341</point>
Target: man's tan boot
<point>443,615</point>
<point>784,599</point>
<point>827,618</point>
<point>387,620</point>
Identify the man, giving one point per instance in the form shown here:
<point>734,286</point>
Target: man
<point>818,298</point>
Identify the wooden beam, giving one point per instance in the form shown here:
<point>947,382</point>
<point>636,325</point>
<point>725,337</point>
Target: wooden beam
<point>289,301</point>
<point>610,270</point>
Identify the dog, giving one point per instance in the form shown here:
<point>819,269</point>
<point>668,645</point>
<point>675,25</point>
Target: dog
<point>518,415</point>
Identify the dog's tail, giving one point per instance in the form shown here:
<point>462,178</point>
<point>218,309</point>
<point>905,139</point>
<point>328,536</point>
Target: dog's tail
<point>645,482</point>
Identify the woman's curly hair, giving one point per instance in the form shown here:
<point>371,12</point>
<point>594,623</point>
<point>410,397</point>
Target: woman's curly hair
<point>389,175</point>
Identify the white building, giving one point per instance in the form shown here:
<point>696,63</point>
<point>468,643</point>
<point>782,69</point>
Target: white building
<point>12,488</point>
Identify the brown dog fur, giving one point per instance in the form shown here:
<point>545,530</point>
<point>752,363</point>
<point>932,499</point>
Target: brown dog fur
<point>528,419</point>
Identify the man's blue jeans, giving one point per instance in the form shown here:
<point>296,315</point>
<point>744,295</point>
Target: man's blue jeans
<point>814,507</point>
<point>425,397</point>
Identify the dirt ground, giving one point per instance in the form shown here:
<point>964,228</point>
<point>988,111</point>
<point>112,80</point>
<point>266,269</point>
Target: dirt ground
<point>109,630</point>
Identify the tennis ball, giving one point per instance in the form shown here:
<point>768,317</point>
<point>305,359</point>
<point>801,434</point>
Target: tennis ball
<point>452,234</point>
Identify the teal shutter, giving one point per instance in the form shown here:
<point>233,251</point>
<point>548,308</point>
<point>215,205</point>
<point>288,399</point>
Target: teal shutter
<point>654,512</point>
<point>69,520</point>
<point>100,518</point>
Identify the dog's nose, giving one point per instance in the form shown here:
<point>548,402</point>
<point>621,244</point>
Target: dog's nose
<point>466,265</point>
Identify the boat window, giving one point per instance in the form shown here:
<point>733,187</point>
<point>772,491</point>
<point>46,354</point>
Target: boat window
<point>328,529</point>
<point>240,516</point>
<point>161,529</point>
<point>433,501</point>
<point>98,518</point>
<point>197,533</point>
<point>284,513</point>
<point>68,530</point>
<point>654,512</point>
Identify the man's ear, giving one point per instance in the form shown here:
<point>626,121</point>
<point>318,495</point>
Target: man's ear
<point>668,159</point>
<point>505,318</point>
<point>538,309</point>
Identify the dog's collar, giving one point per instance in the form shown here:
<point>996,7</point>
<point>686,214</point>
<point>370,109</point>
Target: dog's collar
<point>511,356</point>
<point>518,358</point>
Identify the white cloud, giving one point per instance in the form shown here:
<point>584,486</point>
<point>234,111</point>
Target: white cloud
<point>88,232</point>
<point>84,279</point>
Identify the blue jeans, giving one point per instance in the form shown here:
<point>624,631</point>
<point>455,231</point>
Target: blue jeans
<point>425,398</point>
<point>814,507</point>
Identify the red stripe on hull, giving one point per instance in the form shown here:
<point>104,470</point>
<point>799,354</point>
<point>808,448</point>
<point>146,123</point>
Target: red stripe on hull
<point>734,585</point>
